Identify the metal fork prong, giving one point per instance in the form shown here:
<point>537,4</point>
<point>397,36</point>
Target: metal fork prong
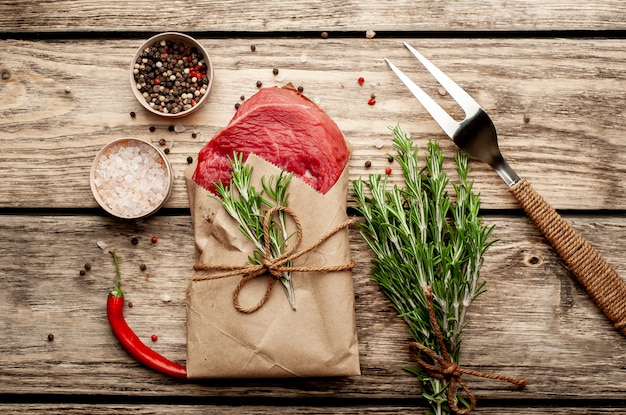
<point>445,121</point>
<point>469,105</point>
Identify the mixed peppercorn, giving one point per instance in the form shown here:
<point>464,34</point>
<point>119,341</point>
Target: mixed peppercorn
<point>171,76</point>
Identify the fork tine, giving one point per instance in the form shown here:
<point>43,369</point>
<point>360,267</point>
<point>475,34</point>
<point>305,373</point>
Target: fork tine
<point>466,102</point>
<point>445,121</point>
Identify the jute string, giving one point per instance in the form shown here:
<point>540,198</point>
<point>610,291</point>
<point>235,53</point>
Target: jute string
<point>445,368</point>
<point>269,266</point>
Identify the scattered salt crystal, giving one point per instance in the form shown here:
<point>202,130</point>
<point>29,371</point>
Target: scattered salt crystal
<point>316,100</point>
<point>370,34</point>
<point>378,144</point>
<point>280,77</point>
<point>303,58</point>
<point>166,298</point>
<point>101,244</point>
<point>179,128</point>
<point>131,179</point>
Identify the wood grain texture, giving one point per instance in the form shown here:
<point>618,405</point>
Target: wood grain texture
<point>551,75</point>
<point>534,322</point>
<point>263,16</point>
<point>105,409</point>
<point>558,105</point>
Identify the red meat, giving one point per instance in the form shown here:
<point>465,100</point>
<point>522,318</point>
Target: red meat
<point>283,127</point>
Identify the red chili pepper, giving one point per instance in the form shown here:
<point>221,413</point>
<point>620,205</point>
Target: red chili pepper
<point>129,340</point>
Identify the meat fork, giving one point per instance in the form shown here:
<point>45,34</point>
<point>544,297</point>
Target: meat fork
<point>476,135</point>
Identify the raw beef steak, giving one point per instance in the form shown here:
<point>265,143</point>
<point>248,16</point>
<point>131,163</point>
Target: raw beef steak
<point>283,127</point>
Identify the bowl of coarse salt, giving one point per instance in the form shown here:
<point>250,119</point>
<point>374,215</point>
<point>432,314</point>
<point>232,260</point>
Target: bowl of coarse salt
<point>171,75</point>
<point>131,178</point>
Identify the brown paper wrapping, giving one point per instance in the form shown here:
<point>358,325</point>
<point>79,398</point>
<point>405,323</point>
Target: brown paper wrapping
<point>318,339</point>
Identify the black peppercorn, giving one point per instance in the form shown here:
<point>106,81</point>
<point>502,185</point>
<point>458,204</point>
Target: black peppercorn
<point>275,71</point>
<point>194,135</point>
<point>50,337</point>
<point>132,114</point>
<point>390,159</point>
<point>259,84</point>
<point>82,272</point>
<point>87,266</point>
<point>237,106</point>
<point>152,128</point>
<point>189,160</point>
<point>252,48</point>
<point>300,89</point>
<point>142,267</point>
<point>242,97</point>
<point>170,128</point>
<point>368,164</point>
<point>134,240</point>
<point>166,150</point>
<point>162,142</point>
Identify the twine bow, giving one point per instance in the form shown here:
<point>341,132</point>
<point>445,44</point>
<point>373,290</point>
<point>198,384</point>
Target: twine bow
<point>269,266</point>
<point>445,368</point>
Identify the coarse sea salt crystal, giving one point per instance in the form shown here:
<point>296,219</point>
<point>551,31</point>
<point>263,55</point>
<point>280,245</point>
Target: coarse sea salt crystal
<point>131,179</point>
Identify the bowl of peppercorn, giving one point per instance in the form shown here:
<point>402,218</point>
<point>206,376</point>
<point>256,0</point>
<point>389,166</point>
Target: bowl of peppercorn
<point>171,75</point>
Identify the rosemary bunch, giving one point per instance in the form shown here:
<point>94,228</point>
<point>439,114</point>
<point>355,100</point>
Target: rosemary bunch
<point>248,207</point>
<point>424,237</point>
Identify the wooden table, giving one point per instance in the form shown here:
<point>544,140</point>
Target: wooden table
<point>552,75</point>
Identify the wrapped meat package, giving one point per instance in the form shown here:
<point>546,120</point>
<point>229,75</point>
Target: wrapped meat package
<point>274,130</point>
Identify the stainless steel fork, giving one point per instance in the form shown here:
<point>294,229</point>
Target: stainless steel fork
<point>476,135</point>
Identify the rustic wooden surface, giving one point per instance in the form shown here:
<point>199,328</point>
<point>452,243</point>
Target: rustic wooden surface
<point>552,75</point>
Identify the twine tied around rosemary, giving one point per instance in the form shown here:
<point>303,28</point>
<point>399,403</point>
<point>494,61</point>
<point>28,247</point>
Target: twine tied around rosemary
<point>446,369</point>
<point>269,266</point>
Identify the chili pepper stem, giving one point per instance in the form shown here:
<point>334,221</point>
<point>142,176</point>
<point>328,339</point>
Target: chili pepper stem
<point>117,291</point>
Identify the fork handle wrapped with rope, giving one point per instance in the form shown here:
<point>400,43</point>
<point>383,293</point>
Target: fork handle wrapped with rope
<point>601,281</point>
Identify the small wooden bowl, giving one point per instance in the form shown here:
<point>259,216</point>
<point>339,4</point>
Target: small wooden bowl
<point>155,100</point>
<point>131,178</point>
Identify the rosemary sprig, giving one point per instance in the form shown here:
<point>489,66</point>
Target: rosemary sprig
<point>422,236</point>
<point>248,206</point>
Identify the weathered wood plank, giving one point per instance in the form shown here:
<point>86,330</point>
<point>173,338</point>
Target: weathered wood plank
<point>120,409</point>
<point>534,322</point>
<point>558,106</point>
<point>305,15</point>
